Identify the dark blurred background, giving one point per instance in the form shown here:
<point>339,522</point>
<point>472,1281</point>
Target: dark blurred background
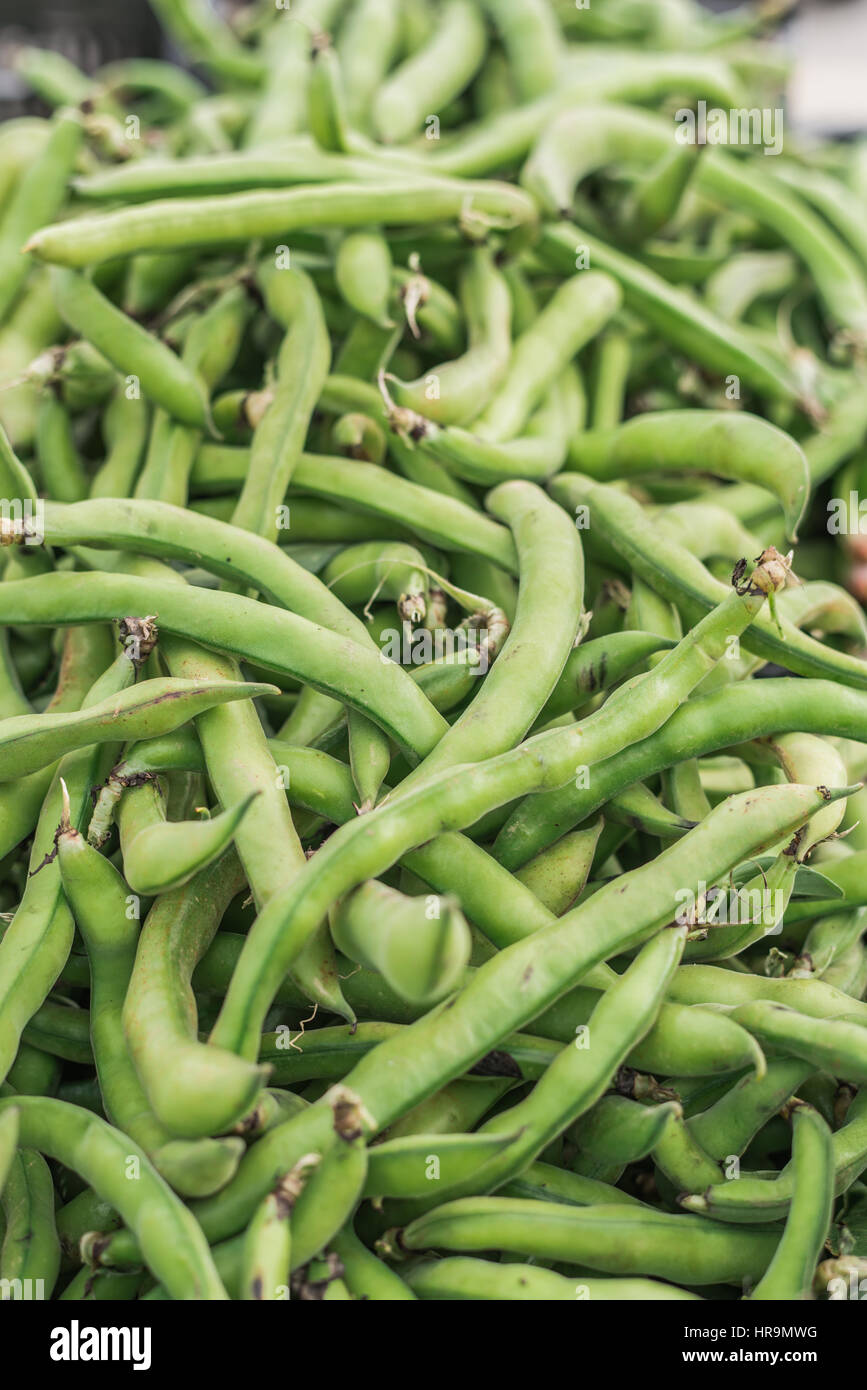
<point>88,32</point>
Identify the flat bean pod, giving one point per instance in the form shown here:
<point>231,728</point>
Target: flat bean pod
<point>483,1279</point>
<point>610,1239</point>
<point>175,224</point>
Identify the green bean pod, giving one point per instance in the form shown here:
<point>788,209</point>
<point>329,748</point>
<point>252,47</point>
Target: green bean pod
<point>740,447</point>
<point>415,1166</point>
<point>363,271</point>
<point>544,1182</point>
<point>151,708</point>
<point>531,36</point>
<point>581,1072</point>
<point>367,44</point>
<point>750,1200</point>
<point>125,425</point>
<point>268,1241</point>
<point>8,1144</point>
<point>833,1044</point>
<point>241,217</point>
<point>614,1239</point>
<point>209,40</point>
<point>366,1276</point>
<point>326,107</point>
<point>558,875</point>
<point>111,936</point>
<point>468,1279</point>
<point>282,108</point>
<point>160,855</point>
<point>429,79</point>
<point>395,571</point>
<point>30,1251</point>
<point>60,1031</point>
<point>194,1090</point>
<point>575,314</point>
<point>35,1073</point>
<point>332,1192</point>
<point>706,984</point>
<point>36,199</point>
<point>452,392</point>
<point>419,945</point>
<point>235,625</point>
<point>164,379</point>
<point>618,1131</point>
<point>727,1127</point>
<point>302,367</point>
<point>61,467</point>
<point>522,679</point>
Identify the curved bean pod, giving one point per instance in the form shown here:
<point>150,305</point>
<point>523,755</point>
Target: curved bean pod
<point>525,674</point>
<point>430,78</point>
<point>838,1046</point>
<point>30,1250</point>
<point>160,855</point>
<point>420,946</point>
<point>194,1090</point>
<point>740,446</point>
<point>575,314</point>
<point>536,455</point>
<point>790,1273</point>
<point>617,1131</point>
<point>366,1276</point>
<point>100,902</point>
<point>728,1126</point>
<point>453,392</point>
<point>753,1200</point>
<point>685,581</point>
<point>172,1243</point>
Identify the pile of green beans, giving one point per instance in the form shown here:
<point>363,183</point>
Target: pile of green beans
<point>406,863</point>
